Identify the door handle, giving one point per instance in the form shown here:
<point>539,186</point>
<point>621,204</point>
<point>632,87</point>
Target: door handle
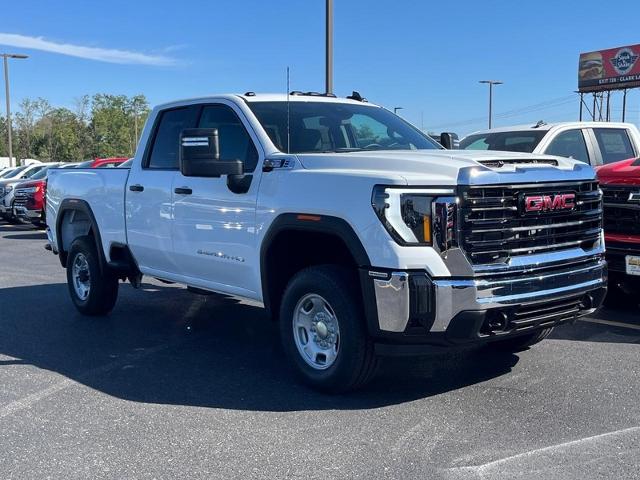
<point>136,188</point>
<point>183,191</point>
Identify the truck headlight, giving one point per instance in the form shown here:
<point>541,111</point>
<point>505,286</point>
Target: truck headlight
<point>406,213</point>
<point>8,188</point>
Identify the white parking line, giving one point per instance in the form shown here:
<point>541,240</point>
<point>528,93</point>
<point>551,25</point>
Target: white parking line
<point>604,444</point>
<point>611,323</point>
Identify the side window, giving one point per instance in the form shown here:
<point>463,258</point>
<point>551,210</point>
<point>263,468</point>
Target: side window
<point>235,142</point>
<point>614,144</point>
<point>569,144</point>
<point>164,152</point>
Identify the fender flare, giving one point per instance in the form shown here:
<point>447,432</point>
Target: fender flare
<point>300,221</point>
<point>75,204</point>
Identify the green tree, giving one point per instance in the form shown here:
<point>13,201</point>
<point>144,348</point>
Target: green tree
<point>111,125</point>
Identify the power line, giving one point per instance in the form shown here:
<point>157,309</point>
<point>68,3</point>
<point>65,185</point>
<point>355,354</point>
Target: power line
<point>552,103</point>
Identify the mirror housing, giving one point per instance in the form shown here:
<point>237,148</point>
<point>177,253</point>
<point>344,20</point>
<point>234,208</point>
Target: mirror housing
<point>449,140</point>
<point>200,155</point>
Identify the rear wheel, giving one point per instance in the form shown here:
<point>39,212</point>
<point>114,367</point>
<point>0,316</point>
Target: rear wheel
<point>521,342</point>
<point>93,290</point>
<point>323,330</point>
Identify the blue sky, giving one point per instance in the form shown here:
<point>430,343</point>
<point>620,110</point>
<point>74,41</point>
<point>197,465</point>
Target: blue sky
<point>424,56</point>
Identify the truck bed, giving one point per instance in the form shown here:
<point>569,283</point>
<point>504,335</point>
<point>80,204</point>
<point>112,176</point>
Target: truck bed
<point>102,188</point>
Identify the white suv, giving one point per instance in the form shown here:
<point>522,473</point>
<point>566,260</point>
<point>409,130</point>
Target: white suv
<point>595,143</point>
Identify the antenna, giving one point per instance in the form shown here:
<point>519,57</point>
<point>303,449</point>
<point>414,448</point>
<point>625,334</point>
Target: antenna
<point>288,115</point>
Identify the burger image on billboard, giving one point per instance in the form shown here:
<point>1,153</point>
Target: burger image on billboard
<point>591,66</point>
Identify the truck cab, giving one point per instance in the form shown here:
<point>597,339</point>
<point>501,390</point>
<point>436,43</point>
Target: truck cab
<point>595,143</point>
<point>359,234</point>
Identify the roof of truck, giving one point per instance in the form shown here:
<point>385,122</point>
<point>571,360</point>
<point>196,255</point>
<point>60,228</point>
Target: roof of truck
<point>548,126</point>
<point>251,97</point>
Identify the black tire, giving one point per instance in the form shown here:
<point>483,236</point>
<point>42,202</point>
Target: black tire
<point>355,363</point>
<point>11,218</point>
<point>621,292</point>
<point>521,342</point>
<point>103,285</point>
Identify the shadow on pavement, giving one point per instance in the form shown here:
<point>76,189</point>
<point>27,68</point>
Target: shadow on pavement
<point>28,236</point>
<point>625,327</point>
<point>167,346</point>
<point>8,227</point>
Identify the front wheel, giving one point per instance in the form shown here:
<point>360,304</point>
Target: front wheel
<point>11,217</point>
<point>323,330</point>
<point>93,290</point>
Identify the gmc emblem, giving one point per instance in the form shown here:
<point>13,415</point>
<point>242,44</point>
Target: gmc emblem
<point>549,203</point>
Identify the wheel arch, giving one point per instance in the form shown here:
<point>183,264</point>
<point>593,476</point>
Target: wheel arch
<point>75,218</point>
<point>327,239</point>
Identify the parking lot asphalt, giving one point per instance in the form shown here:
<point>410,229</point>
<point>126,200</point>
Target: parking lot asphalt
<point>176,385</point>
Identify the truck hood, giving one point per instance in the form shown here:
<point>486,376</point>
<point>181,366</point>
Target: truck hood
<point>625,172</point>
<point>450,167</point>
<point>12,182</point>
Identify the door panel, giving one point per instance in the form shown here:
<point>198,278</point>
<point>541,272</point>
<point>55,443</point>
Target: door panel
<point>149,192</point>
<point>214,232</point>
<point>149,218</point>
<point>214,228</point>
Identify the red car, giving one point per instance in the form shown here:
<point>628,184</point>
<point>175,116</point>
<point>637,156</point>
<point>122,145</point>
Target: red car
<point>620,184</point>
<point>30,199</point>
<point>103,162</point>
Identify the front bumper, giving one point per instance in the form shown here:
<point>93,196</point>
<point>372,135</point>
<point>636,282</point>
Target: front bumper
<point>27,214</point>
<point>412,308</point>
<point>617,252</point>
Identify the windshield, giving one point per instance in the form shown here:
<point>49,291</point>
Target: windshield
<point>16,172</point>
<point>517,141</point>
<point>337,127</point>
<point>41,174</point>
<point>8,173</point>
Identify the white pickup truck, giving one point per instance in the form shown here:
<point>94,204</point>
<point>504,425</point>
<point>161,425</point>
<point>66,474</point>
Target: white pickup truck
<point>595,143</point>
<point>360,235</point>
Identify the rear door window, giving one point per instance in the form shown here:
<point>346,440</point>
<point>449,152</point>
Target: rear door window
<point>614,144</point>
<point>569,144</point>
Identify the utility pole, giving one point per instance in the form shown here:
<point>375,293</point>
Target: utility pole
<point>491,83</point>
<point>329,48</point>
<point>5,57</point>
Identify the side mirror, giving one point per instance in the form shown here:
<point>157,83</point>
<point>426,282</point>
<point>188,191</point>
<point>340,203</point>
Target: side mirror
<point>200,155</point>
<point>449,140</point>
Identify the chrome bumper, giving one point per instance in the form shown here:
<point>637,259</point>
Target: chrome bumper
<point>25,213</point>
<point>453,296</point>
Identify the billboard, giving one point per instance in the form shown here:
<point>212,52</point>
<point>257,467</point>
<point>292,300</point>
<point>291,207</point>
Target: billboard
<point>612,69</point>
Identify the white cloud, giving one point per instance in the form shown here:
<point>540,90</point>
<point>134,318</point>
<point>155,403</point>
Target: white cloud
<point>91,53</point>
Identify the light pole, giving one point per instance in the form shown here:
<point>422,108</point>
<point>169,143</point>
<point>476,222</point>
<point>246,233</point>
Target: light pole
<point>5,57</point>
<point>395,109</point>
<point>329,48</point>
<point>491,83</point>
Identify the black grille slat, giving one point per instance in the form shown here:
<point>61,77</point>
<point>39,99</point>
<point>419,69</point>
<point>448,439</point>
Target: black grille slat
<point>539,315</point>
<point>493,227</point>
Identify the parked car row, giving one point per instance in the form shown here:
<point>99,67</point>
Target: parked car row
<point>23,189</point>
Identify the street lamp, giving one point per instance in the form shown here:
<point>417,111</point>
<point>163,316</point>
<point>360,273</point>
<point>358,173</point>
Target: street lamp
<point>491,83</point>
<point>395,109</point>
<point>5,57</point>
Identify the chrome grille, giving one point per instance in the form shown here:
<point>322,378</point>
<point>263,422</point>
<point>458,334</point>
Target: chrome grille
<point>621,215</point>
<point>20,198</point>
<point>493,226</point>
